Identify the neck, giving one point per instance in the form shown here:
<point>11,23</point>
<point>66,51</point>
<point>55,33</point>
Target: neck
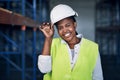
<point>72,44</point>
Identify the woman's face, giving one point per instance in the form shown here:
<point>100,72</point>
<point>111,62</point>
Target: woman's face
<point>67,29</point>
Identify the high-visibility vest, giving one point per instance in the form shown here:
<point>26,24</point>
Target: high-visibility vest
<point>61,66</point>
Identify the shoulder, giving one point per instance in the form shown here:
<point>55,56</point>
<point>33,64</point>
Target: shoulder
<point>90,46</point>
<point>89,42</point>
<point>56,41</point>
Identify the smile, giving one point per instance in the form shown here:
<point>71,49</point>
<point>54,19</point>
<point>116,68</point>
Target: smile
<point>67,34</point>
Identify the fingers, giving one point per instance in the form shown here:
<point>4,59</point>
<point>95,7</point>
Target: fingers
<point>43,25</point>
<point>46,26</point>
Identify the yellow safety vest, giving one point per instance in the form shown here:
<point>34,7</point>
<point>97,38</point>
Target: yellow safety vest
<point>61,66</point>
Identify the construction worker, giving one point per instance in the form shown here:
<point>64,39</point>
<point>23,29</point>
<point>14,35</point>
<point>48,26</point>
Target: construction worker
<point>70,57</point>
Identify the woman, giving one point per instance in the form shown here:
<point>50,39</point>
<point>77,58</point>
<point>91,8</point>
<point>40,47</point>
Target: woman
<point>70,57</point>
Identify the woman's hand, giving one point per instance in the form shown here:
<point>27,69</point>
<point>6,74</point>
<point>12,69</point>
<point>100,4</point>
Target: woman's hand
<point>47,29</point>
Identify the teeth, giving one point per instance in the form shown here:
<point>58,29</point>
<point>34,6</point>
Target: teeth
<point>67,34</point>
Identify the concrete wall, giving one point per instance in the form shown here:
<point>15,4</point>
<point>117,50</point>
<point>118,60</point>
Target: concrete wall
<point>86,18</point>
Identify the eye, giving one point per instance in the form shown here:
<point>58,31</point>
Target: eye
<point>59,27</point>
<point>68,25</point>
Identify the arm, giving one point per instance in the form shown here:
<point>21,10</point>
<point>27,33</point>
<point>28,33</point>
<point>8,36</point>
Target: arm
<point>44,63</point>
<point>48,31</point>
<point>44,60</point>
<point>97,73</point>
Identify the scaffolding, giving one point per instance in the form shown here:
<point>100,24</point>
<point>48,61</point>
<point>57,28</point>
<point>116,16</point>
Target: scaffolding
<point>15,32</point>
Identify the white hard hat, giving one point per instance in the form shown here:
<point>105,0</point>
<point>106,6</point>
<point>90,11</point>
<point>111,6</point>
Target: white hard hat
<point>60,12</point>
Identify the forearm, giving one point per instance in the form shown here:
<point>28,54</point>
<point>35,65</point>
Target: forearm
<point>48,32</point>
<point>47,46</point>
<point>44,60</point>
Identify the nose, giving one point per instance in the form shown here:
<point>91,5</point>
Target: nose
<point>64,30</point>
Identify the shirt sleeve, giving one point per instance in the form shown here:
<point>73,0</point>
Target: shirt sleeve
<point>97,73</point>
<point>44,63</point>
